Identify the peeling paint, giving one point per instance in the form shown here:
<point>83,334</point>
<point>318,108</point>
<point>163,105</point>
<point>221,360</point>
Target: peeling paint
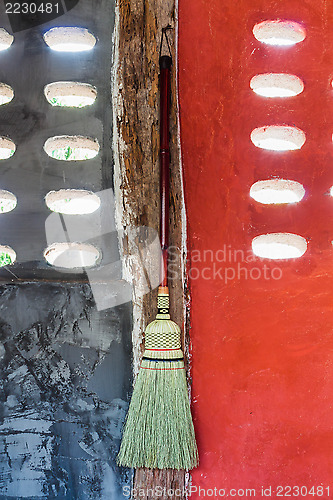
<point>124,213</point>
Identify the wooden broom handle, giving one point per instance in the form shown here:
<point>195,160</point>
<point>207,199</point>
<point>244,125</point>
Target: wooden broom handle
<point>165,87</point>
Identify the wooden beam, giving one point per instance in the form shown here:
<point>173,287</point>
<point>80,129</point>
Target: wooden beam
<point>136,148</point>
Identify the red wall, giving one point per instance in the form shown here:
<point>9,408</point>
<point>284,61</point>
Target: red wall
<point>262,348</point>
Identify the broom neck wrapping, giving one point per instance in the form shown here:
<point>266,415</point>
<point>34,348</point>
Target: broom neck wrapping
<point>163,303</point>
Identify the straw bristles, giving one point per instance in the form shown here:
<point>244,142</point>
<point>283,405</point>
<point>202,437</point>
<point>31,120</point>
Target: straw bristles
<point>158,432</point>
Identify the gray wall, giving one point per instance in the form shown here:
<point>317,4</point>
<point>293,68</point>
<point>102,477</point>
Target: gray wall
<point>28,65</point>
<point>65,375</point>
<point>65,367</point>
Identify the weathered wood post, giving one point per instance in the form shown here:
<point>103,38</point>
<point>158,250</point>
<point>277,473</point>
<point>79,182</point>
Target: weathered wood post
<point>136,146</point>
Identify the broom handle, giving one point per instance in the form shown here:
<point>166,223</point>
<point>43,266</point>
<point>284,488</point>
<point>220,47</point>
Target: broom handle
<point>165,70</point>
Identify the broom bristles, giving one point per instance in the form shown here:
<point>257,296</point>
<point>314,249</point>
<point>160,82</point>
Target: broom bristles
<point>159,432</point>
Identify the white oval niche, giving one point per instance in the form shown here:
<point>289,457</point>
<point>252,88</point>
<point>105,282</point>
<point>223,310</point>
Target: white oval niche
<point>7,255</point>
<point>278,32</point>
<point>7,148</point>
<point>72,255</point>
<point>6,39</point>
<point>6,94</point>
<point>278,138</point>
<point>278,246</point>
<point>72,201</point>
<point>69,39</point>
<point>277,85</point>
<point>70,94</point>
<point>71,147</point>
<point>275,191</point>
<point>8,201</point>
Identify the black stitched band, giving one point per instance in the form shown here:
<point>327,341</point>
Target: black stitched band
<point>163,310</point>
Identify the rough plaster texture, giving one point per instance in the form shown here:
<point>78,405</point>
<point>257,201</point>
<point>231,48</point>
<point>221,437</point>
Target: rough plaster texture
<point>262,348</point>
<point>64,370</point>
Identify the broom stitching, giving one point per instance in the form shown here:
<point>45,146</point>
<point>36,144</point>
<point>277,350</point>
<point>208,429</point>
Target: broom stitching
<point>162,369</point>
<point>162,349</point>
<point>145,358</point>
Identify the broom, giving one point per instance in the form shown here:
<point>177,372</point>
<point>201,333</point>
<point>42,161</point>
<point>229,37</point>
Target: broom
<point>158,431</point>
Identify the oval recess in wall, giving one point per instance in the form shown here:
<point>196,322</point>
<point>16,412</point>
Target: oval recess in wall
<point>279,246</point>
<point>6,39</point>
<point>278,138</point>
<point>70,94</point>
<point>275,191</point>
<point>7,255</point>
<point>6,94</point>
<point>279,32</point>
<point>72,201</point>
<point>69,39</point>
<point>276,85</point>
<point>72,255</point>
<point>8,201</point>
<point>71,147</point>
<point>7,148</point>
